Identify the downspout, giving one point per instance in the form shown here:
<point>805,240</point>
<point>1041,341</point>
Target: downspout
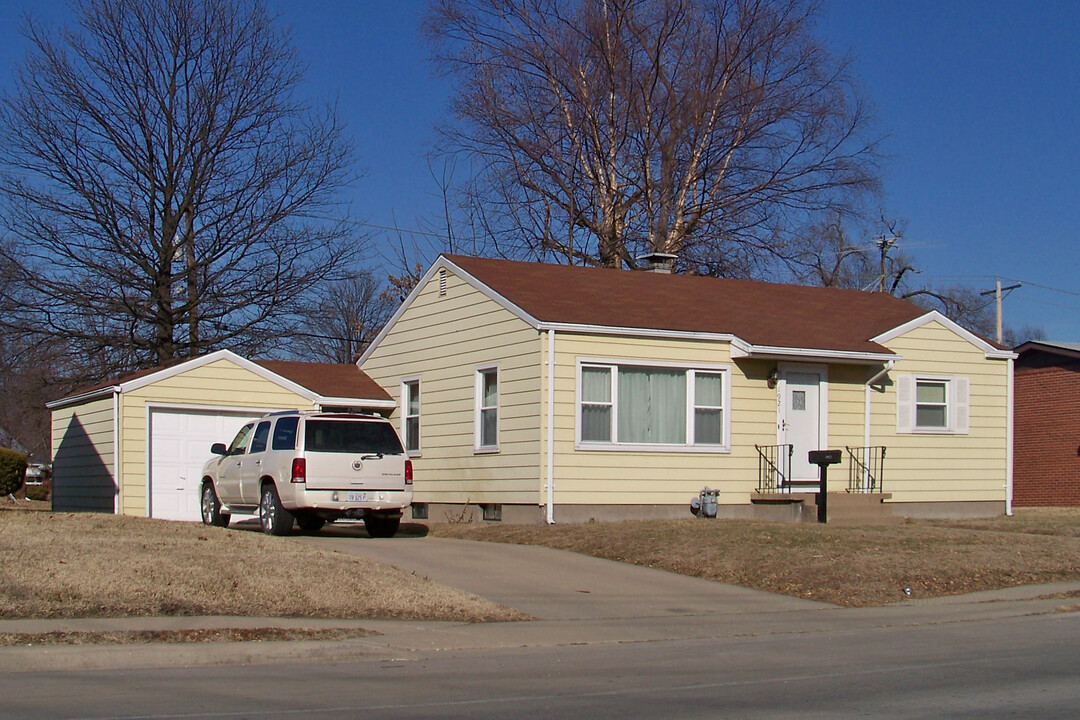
<point>866,400</point>
<point>116,456</point>
<point>551,428</point>
<point>1009,441</point>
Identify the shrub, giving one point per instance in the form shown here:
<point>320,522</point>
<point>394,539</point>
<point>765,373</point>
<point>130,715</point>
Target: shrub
<point>12,471</point>
<point>37,492</point>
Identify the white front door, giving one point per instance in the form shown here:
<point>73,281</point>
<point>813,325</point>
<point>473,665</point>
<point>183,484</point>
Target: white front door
<point>802,418</point>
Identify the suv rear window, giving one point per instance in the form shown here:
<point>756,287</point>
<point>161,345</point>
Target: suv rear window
<point>346,436</point>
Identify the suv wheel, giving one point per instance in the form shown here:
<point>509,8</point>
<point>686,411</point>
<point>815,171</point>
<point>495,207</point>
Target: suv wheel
<point>211,508</point>
<point>273,518</point>
<point>380,526</point>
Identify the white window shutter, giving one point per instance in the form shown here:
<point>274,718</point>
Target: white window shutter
<point>905,403</point>
<point>962,404</point>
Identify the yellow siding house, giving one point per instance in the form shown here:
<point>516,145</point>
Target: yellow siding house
<point>535,392</point>
<point>136,446</point>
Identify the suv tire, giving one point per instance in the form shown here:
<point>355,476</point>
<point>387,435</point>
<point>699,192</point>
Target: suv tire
<point>310,523</point>
<point>210,506</point>
<point>273,517</point>
<point>380,526</point>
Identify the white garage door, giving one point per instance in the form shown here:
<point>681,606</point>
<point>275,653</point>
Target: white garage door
<point>180,443</point>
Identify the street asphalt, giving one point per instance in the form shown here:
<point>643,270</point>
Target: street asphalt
<point>575,600</point>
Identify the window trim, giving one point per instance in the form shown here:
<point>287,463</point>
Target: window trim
<point>478,397</point>
<point>723,370</point>
<point>405,416</point>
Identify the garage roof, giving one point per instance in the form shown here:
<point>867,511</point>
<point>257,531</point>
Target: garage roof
<point>322,383</point>
<point>330,380</point>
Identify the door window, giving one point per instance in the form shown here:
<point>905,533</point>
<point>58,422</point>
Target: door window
<point>239,443</point>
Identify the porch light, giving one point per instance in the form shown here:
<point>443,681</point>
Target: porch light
<point>774,376</point>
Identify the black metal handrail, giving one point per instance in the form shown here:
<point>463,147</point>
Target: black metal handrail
<point>866,469</point>
<point>774,467</point>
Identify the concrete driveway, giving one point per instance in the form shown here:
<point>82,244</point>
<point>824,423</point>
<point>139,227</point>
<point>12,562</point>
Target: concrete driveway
<point>558,585</point>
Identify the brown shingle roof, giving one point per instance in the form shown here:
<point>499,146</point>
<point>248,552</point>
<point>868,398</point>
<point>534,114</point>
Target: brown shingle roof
<point>763,314</point>
<point>328,379</point>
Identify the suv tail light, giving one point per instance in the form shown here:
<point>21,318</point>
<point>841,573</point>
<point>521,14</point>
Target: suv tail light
<point>408,472</point>
<point>299,470</point>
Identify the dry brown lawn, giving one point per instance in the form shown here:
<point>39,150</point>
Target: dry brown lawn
<point>67,565</point>
<point>851,566</point>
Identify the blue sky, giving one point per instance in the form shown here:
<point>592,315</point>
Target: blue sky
<point>980,102</point>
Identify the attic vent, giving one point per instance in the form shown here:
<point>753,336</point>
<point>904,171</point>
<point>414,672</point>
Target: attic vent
<point>442,282</point>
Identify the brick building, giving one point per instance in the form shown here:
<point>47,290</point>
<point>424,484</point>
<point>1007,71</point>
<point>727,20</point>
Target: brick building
<point>1046,463</point>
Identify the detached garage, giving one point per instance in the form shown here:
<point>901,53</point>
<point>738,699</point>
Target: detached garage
<point>136,446</point>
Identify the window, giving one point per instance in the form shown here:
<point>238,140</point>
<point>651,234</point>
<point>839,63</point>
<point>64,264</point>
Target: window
<point>487,409</point>
<point>262,434</point>
<point>239,443</point>
<point>708,408</point>
<point>596,404</point>
<point>931,404</point>
<point>651,407</point>
<point>410,416</point>
<point>354,437</point>
<point>285,433</point>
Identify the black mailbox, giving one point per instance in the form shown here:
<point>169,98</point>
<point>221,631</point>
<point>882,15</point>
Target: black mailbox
<point>825,457</point>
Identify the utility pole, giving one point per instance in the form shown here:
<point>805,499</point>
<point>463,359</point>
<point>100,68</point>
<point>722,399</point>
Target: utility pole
<point>885,245</point>
<point>996,292</point>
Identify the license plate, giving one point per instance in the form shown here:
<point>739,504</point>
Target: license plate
<point>358,497</point>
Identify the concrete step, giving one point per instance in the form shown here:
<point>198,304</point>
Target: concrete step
<point>843,508</point>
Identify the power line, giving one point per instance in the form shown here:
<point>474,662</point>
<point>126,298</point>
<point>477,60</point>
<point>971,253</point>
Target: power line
<point>1045,287</point>
<point>991,277</point>
<point>1044,302</point>
<point>362,223</point>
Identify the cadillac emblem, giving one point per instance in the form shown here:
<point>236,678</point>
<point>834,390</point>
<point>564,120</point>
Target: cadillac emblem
<point>357,465</point>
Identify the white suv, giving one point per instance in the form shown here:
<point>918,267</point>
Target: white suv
<point>313,467</point>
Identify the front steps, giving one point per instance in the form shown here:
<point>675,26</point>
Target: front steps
<point>843,508</point>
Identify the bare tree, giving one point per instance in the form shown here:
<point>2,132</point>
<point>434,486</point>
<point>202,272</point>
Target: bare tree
<point>832,258</point>
<point>163,182</point>
<point>347,317</point>
<point>608,129</point>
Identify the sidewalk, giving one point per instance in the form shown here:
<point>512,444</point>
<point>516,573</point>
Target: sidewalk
<point>576,600</point>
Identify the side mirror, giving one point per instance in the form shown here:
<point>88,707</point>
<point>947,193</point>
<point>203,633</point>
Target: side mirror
<point>219,449</point>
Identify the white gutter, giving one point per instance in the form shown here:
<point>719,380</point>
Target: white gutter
<point>770,352</point>
<point>866,400</point>
<point>1009,441</point>
<point>83,397</point>
<point>634,331</point>
<point>551,428</point>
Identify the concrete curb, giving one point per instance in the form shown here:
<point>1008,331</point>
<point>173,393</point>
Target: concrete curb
<point>402,640</point>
